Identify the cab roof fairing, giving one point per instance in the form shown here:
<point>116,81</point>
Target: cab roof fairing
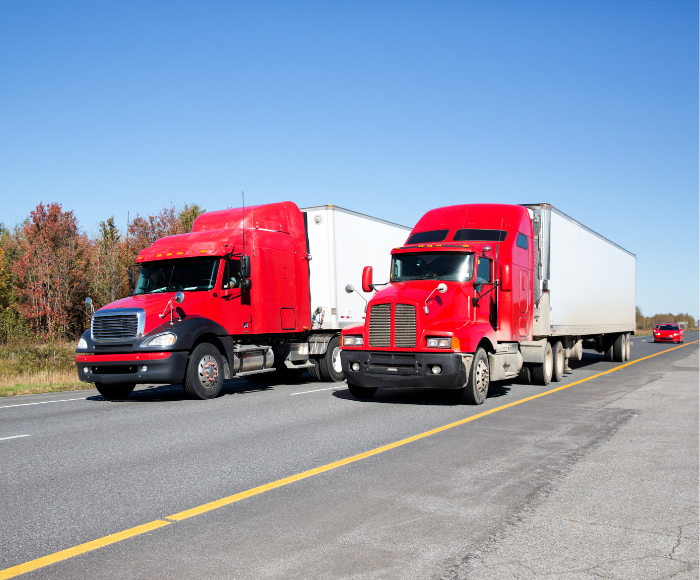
<point>215,233</point>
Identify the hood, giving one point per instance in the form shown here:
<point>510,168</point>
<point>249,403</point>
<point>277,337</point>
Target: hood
<point>195,303</point>
<point>440,306</point>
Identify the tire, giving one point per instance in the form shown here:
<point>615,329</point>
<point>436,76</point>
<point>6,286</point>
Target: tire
<point>619,347</point>
<point>205,372</point>
<point>477,388</point>
<point>329,363</point>
<point>559,363</point>
<point>361,392</point>
<point>116,391</point>
<point>608,343</point>
<point>542,372</point>
<point>524,375</point>
<point>628,347</point>
<point>315,371</point>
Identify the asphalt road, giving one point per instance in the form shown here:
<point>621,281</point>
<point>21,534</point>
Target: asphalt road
<point>596,480</point>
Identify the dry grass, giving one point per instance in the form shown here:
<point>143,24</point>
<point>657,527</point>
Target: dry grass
<point>31,369</point>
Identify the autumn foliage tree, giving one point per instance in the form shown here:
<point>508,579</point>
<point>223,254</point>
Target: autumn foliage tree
<point>50,272</point>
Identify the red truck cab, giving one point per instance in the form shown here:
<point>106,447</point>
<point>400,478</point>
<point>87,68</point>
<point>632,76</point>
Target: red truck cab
<point>460,287</point>
<point>229,298</point>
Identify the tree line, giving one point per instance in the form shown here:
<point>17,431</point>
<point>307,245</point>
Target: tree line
<point>647,322</point>
<point>49,265</point>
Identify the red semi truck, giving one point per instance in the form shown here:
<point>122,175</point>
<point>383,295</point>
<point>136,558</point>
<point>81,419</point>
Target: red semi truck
<point>487,292</point>
<point>238,296</point>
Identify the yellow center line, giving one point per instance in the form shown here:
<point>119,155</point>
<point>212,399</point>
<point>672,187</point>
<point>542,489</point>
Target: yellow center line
<point>142,529</point>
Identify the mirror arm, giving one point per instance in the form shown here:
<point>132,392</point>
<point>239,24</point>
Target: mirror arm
<point>475,300</point>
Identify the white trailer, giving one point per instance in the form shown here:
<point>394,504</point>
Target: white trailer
<point>341,242</point>
<point>584,287</point>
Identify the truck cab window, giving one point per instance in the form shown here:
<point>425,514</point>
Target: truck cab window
<point>232,274</point>
<point>521,241</point>
<point>483,272</point>
<point>454,266</point>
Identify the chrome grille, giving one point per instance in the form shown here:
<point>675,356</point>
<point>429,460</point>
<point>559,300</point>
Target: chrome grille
<point>115,326</point>
<point>405,326</point>
<point>380,325</point>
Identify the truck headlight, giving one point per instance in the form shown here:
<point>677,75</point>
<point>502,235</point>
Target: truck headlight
<point>82,344</point>
<point>165,339</point>
<point>439,343</point>
<point>353,341</point>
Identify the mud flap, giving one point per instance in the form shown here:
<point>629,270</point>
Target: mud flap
<point>467,364</point>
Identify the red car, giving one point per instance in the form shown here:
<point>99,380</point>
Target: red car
<point>668,333</point>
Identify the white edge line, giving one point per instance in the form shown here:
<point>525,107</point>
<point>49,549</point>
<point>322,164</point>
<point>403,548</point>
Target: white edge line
<point>316,391</point>
<point>43,402</point>
<point>13,437</point>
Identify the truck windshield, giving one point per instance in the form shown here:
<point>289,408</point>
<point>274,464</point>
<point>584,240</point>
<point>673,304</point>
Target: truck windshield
<point>191,275</point>
<point>454,266</point>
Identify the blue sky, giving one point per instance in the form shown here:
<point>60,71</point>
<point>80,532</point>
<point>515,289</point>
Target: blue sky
<point>387,108</point>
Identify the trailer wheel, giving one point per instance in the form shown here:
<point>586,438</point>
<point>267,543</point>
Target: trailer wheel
<point>542,372</point>
<point>619,347</point>
<point>331,370</point>
<point>115,391</point>
<point>477,388</point>
<point>361,392</point>
<point>315,371</point>
<point>205,372</point>
<point>524,375</point>
<point>559,362</point>
<point>608,344</point>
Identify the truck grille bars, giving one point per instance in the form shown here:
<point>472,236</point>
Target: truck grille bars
<point>118,324</point>
<point>380,320</point>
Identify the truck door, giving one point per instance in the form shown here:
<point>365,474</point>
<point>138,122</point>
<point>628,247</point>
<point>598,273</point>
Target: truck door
<point>524,290</point>
<point>486,310</point>
<point>235,306</point>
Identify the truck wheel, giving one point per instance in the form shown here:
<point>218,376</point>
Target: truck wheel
<point>331,370</point>
<point>314,371</point>
<point>619,347</point>
<point>524,375</point>
<point>361,392</point>
<point>116,391</point>
<point>478,380</point>
<point>559,362</point>
<point>628,347</point>
<point>608,347</point>
<point>542,372</point>
<point>205,372</point>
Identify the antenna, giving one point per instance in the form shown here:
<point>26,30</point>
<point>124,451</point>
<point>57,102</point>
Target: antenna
<point>243,220</point>
<point>127,239</point>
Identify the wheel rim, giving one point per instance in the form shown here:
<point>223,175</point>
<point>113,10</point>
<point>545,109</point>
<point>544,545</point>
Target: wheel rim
<point>548,364</point>
<point>207,371</point>
<point>560,361</point>
<point>335,360</point>
<point>481,377</point>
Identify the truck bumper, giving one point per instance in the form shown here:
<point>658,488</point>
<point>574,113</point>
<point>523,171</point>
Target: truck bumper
<point>160,367</point>
<point>402,369</point>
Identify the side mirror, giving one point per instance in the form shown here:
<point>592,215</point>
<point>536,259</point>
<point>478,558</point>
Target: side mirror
<point>179,297</point>
<point>133,275</point>
<point>367,279</point>
<point>245,266</point>
<point>442,288</point>
<point>349,288</point>
<point>246,285</point>
<point>88,304</point>
<point>506,278</point>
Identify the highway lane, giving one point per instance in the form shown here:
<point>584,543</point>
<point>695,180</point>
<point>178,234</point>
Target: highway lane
<point>91,468</point>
